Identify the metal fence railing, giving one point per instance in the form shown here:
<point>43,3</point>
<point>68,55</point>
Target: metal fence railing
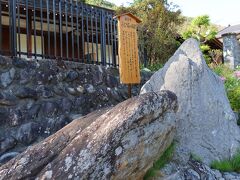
<point>58,29</point>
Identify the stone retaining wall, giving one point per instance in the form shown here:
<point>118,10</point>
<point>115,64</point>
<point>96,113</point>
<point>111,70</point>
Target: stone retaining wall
<point>37,98</point>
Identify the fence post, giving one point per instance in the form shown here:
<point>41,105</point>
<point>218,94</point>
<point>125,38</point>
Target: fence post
<point>103,39</point>
<point>115,29</point>
<point>12,26</point>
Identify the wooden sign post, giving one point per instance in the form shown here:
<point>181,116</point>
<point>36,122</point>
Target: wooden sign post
<point>128,50</point>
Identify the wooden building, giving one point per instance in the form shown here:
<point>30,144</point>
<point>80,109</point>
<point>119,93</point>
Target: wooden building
<point>58,29</point>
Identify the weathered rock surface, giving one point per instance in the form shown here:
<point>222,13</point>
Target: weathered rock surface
<point>195,170</point>
<point>42,93</point>
<point>206,123</point>
<point>117,143</point>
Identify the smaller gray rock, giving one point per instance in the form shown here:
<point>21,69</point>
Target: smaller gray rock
<point>114,95</point>
<point>112,81</point>
<point>33,111</point>
<point>191,174</point>
<point>80,89</point>
<point>3,61</point>
<point>8,156</point>
<point>7,143</point>
<point>71,76</point>
<point>26,75</point>
<point>80,104</point>
<point>71,91</point>
<point>27,133</point>
<point>15,117</point>
<point>7,99</point>
<point>20,63</point>
<point>231,176</point>
<point>44,76</point>
<point>175,176</point>
<point>7,77</point>
<point>89,88</point>
<point>97,77</point>
<point>217,173</point>
<point>25,92</point>
<point>66,105</point>
<point>4,113</point>
<point>59,90</point>
<point>103,95</point>
<point>44,92</point>
<point>49,109</point>
<point>55,124</point>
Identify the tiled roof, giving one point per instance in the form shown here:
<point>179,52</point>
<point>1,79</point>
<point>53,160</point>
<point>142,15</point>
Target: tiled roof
<point>229,29</point>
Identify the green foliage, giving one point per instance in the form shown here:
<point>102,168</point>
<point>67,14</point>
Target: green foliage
<point>232,85</point>
<point>102,3</point>
<point>204,48</point>
<point>234,98</point>
<point>202,30</point>
<point>158,30</point>
<point>160,163</point>
<point>223,70</point>
<point>201,21</point>
<point>228,165</point>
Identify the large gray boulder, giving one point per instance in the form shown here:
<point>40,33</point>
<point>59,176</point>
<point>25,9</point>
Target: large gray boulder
<point>206,124</point>
<point>117,143</point>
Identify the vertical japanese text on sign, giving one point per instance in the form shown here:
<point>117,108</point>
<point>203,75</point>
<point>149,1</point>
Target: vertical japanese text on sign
<point>128,49</point>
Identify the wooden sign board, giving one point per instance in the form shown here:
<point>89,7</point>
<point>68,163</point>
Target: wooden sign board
<point>128,49</point>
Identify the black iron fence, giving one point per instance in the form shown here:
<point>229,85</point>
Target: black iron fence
<point>58,29</point>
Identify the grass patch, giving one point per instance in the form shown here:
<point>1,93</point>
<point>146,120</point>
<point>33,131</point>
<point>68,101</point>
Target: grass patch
<point>231,165</point>
<point>160,163</point>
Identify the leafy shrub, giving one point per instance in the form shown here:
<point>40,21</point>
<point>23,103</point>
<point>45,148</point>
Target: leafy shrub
<point>232,84</point>
<point>234,98</point>
<point>203,30</point>
<point>160,163</point>
<point>226,165</point>
<point>158,31</point>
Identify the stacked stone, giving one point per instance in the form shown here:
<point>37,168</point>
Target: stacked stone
<point>37,98</point>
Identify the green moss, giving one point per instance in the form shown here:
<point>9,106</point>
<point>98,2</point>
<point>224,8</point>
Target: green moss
<point>224,165</point>
<point>160,162</point>
<point>228,165</point>
<point>195,157</point>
